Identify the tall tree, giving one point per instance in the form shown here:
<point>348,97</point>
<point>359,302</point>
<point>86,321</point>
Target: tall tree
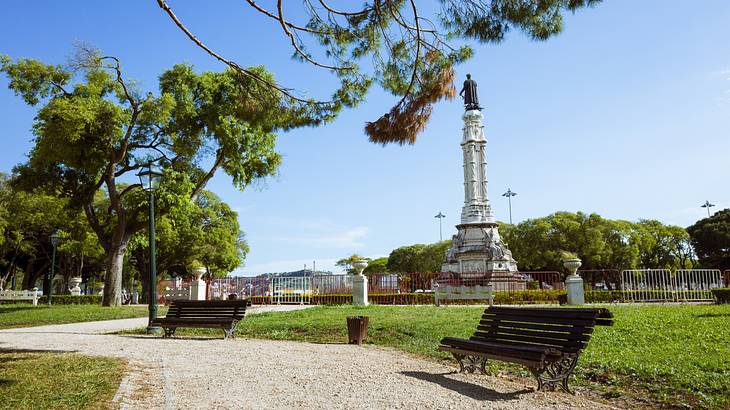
<point>711,240</point>
<point>95,133</point>
<point>404,45</point>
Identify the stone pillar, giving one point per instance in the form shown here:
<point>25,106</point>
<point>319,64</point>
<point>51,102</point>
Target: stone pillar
<point>359,284</point>
<point>574,283</point>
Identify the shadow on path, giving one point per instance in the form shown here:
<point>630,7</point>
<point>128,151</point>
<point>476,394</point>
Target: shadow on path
<point>473,391</point>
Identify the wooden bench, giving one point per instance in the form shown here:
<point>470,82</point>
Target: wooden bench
<point>223,314</point>
<point>547,341</point>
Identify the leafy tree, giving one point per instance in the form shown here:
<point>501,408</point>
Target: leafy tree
<point>537,243</point>
<point>711,240</point>
<point>379,265</point>
<point>418,257</point>
<point>399,44</point>
<point>25,247</point>
<point>204,233</point>
<point>95,133</point>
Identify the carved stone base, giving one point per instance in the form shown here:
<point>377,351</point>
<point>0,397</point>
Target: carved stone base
<point>556,374</point>
<point>471,364</point>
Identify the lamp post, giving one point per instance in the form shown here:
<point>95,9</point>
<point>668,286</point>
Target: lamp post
<point>708,205</point>
<point>509,194</point>
<point>150,178</point>
<point>48,286</point>
<point>440,216</point>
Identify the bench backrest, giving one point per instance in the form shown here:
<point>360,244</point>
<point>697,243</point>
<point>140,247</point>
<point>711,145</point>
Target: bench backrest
<point>564,329</point>
<point>208,308</point>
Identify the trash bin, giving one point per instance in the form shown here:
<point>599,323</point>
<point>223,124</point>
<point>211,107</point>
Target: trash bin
<point>357,329</point>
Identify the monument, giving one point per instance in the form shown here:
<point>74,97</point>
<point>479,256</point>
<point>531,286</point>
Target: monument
<point>477,249</point>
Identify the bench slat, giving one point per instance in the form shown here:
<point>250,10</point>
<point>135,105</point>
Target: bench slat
<point>488,324</point>
<point>542,320</point>
<point>534,333</point>
<point>500,337</point>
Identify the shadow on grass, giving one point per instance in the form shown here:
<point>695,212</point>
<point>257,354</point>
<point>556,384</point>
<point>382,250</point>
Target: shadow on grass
<point>473,391</point>
<point>16,308</point>
<point>5,350</point>
<point>713,315</point>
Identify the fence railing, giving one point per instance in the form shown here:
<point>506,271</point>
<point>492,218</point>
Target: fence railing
<point>507,288</point>
<point>664,285</point>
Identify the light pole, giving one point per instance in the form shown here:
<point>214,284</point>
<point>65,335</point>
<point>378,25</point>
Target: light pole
<point>708,205</point>
<point>55,238</point>
<point>150,178</point>
<point>440,216</point>
<point>509,194</point>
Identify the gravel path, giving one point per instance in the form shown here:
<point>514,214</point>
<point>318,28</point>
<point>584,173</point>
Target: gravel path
<point>256,374</point>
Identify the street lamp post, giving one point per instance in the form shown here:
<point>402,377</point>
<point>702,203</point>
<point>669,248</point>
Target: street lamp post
<point>55,238</point>
<point>708,205</point>
<point>509,194</point>
<point>440,216</point>
<point>150,178</point>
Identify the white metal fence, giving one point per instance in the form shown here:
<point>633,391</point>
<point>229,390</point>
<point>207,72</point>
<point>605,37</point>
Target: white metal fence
<point>664,285</point>
<point>296,290</point>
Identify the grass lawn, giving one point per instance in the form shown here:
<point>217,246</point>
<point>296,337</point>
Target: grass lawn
<point>676,356</point>
<point>39,380</point>
<point>24,315</point>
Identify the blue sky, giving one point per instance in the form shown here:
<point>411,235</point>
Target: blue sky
<point>625,114</point>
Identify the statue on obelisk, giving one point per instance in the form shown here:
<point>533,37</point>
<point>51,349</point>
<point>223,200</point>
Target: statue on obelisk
<point>469,92</point>
<point>477,246</point>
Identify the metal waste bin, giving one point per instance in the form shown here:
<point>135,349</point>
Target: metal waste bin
<point>357,329</point>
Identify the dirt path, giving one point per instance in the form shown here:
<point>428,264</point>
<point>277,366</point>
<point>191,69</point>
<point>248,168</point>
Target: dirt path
<point>257,374</point>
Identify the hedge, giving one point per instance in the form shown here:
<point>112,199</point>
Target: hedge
<point>722,295</point>
<point>71,300</point>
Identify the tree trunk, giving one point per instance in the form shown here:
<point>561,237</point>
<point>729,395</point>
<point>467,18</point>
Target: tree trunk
<point>114,267</point>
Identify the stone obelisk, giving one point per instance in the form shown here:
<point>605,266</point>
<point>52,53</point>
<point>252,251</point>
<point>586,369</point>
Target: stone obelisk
<point>477,246</point>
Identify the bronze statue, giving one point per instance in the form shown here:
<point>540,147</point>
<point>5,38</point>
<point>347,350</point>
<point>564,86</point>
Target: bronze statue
<point>469,92</point>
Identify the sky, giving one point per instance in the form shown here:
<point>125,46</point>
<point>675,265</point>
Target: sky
<point>625,114</point>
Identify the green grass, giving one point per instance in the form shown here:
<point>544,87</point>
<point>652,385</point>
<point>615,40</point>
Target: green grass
<point>25,315</point>
<point>35,380</point>
<point>676,356</point>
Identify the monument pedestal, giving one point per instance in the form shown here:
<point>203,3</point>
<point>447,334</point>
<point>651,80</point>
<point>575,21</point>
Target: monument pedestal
<point>574,288</point>
<point>574,283</point>
<point>197,290</point>
<point>360,290</point>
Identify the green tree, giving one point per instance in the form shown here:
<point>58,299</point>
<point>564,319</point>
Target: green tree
<point>418,258</point>
<point>204,233</point>
<point>95,133</point>
<point>25,247</point>
<point>375,266</point>
<point>711,240</point>
<point>408,47</point>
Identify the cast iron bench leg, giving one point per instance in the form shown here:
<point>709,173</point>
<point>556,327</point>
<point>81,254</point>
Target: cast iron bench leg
<point>470,364</point>
<point>556,374</point>
<point>169,332</point>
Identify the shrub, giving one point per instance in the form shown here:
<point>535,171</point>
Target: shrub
<point>722,295</point>
<point>71,300</point>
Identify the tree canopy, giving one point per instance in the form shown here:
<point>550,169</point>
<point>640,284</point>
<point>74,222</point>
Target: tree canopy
<point>94,130</point>
<point>711,240</point>
<point>408,47</point>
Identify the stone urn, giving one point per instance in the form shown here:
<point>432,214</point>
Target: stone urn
<point>199,272</point>
<point>359,266</point>
<point>572,266</point>
<point>73,285</point>
<point>574,283</point>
